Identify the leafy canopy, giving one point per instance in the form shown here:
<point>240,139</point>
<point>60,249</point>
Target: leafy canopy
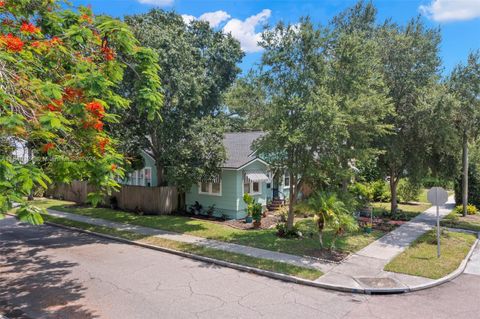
<point>59,71</point>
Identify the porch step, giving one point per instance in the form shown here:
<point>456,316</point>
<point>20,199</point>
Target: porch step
<point>276,204</point>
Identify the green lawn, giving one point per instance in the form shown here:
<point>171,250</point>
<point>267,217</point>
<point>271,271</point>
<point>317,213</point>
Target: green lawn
<point>265,239</point>
<point>420,259</point>
<point>470,222</point>
<point>411,210</point>
<point>260,263</point>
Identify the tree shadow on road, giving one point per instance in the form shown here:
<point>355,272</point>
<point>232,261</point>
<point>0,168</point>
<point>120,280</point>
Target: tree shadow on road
<point>34,283</point>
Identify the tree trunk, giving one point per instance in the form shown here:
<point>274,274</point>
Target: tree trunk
<point>465,174</point>
<point>393,194</point>
<point>320,238</point>
<point>292,200</point>
<point>320,227</point>
<point>160,175</point>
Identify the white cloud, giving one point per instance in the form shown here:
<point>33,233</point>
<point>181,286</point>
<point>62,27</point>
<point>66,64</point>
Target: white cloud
<point>214,18</point>
<point>452,10</point>
<point>244,31</point>
<point>188,18</point>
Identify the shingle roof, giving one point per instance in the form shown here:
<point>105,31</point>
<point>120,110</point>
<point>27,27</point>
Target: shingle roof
<point>238,147</point>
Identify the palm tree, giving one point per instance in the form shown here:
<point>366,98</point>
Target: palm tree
<point>329,209</point>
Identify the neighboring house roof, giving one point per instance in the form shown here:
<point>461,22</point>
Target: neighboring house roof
<point>238,148</point>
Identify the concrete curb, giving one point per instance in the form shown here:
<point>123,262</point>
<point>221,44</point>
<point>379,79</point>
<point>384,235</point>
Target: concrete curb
<point>283,277</point>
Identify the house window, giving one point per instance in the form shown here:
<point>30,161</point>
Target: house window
<point>286,180</point>
<point>134,178</point>
<point>215,188</point>
<point>251,188</point>
<point>246,187</point>
<point>148,176</point>
<point>205,187</point>
<point>140,179</point>
<point>210,188</point>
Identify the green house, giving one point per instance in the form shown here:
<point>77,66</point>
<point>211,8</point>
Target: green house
<point>243,172</point>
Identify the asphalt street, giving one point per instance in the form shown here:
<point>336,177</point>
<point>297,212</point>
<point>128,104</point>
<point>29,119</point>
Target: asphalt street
<point>47,272</point>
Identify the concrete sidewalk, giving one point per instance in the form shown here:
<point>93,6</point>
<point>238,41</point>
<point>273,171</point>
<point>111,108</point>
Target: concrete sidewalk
<point>362,270</point>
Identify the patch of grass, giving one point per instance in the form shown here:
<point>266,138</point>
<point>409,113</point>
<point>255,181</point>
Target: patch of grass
<point>420,259</point>
<point>265,239</point>
<point>411,210</point>
<point>260,263</point>
<point>454,220</point>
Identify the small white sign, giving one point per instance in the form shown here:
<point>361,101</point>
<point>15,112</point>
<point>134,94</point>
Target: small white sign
<point>437,196</point>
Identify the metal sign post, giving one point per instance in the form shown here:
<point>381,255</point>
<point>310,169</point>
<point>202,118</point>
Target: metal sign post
<point>437,196</point>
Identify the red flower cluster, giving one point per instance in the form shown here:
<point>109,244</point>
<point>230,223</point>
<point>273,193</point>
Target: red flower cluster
<point>29,28</point>
<point>96,124</point>
<point>13,43</point>
<point>71,94</point>
<point>113,167</point>
<point>55,40</point>
<point>2,4</point>
<point>48,147</point>
<point>56,105</point>
<point>85,17</point>
<point>96,109</point>
<point>108,53</point>
<point>102,143</point>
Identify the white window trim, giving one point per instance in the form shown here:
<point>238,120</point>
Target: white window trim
<point>289,181</point>
<point>251,187</point>
<point>209,189</point>
<point>144,175</point>
<point>134,178</point>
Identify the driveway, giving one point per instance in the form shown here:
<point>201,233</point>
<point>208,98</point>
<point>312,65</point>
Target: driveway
<point>47,272</point>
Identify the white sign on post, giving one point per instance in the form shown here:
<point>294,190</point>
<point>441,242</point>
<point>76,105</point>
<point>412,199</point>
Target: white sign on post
<point>438,197</point>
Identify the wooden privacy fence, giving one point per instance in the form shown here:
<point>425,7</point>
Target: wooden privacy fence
<point>154,200</point>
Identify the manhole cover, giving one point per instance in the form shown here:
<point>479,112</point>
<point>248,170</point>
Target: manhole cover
<point>378,282</point>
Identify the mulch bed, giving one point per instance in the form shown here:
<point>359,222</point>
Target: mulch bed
<point>267,222</point>
<point>327,254</point>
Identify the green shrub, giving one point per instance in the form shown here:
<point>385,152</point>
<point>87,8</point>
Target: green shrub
<point>429,182</point>
<point>362,191</point>
<point>380,191</point>
<point>473,186</point>
<point>283,232</point>
<point>471,209</point>
<point>408,191</point>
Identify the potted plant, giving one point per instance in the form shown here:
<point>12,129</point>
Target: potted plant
<point>248,199</point>
<point>368,228</point>
<point>257,214</point>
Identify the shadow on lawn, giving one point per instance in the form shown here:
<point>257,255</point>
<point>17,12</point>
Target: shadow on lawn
<point>32,281</point>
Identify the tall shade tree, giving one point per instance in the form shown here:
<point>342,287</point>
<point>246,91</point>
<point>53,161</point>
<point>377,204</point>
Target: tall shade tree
<point>464,83</point>
<point>356,80</point>
<point>301,119</point>
<point>197,65</point>
<point>59,69</point>
<point>245,103</point>
<point>410,62</point>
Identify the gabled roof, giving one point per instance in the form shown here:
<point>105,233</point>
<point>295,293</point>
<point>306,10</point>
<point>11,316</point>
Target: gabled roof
<point>238,147</point>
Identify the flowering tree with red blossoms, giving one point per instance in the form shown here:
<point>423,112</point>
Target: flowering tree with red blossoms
<point>59,72</point>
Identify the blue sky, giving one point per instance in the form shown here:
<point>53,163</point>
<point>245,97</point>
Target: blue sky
<point>459,20</point>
